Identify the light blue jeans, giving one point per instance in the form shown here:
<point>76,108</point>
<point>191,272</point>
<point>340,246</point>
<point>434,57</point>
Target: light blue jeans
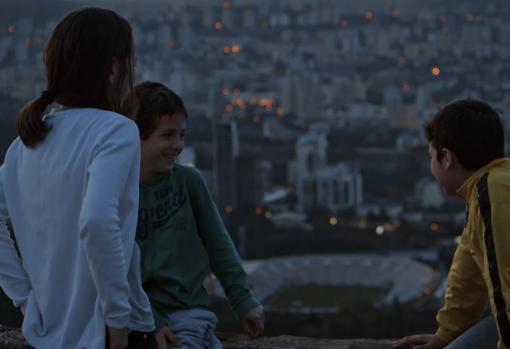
<point>483,335</point>
<point>194,328</point>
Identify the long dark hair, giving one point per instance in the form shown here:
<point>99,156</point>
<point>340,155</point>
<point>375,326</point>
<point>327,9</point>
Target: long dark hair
<point>78,60</point>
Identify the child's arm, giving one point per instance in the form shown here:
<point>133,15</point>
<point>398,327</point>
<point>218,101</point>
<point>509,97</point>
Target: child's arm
<point>465,298</point>
<point>495,211</point>
<point>223,258</point>
<point>13,278</point>
<point>142,314</point>
<point>116,157</point>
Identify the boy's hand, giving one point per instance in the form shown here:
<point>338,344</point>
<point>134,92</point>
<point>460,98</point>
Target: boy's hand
<point>253,322</point>
<point>165,336</point>
<point>117,338</point>
<point>419,341</point>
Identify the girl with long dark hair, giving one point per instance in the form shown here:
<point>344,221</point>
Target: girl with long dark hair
<point>69,185</point>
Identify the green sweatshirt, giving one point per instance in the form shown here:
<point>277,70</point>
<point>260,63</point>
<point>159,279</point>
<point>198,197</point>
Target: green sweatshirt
<point>179,229</point>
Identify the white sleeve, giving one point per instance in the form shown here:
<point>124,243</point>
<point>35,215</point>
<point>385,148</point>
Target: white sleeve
<point>100,227</point>
<point>141,317</point>
<point>13,278</point>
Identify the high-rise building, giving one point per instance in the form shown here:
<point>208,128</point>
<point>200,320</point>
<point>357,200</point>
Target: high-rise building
<point>311,152</point>
<point>216,100</point>
<point>339,187</point>
<point>300,94</point>
<point>255,179</point>
<point>225,164</point>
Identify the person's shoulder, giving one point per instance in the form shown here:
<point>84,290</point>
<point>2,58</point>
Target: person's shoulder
<point>188,173</point>
<point>109,117</point>
<point>13,149</point>
<point>498,182</point>
<point>108,122</point>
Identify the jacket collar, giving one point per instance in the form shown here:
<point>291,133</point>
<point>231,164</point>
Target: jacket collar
<point>467,187</point>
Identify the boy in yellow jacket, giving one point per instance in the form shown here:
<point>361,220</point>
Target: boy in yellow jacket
<point>467,158</point>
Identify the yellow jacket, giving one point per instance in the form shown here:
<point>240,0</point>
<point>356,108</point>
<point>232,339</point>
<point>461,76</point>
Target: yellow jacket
<point>481,264</point>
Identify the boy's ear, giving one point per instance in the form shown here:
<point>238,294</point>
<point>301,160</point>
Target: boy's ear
<point>449,160</point>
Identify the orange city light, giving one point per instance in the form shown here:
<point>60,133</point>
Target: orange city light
<point>436,71</point>
<point>218,25</point>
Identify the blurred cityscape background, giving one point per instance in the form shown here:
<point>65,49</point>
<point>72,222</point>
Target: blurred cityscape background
<point>306,121</point>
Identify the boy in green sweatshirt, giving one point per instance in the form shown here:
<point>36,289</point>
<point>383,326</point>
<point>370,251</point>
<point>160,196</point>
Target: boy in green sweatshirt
<point>180,230</point>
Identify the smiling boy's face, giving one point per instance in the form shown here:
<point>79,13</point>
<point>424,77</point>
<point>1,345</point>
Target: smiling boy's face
<point>160,150</point>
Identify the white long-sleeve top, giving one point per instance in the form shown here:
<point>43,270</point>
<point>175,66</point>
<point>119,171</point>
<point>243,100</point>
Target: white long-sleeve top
<point>73,203</point>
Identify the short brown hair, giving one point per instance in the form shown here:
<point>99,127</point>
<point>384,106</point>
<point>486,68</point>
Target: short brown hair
<point>471,129</point>
<point>148,102</point>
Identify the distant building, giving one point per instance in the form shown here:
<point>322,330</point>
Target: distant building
<point>429,194</point>
<point>300,94</point>
<point>339,187</point>
<point>216,100</point>
<point>255,180</point>
<point>335,187</point>
<point>311,151</point>
<point>226,164</point>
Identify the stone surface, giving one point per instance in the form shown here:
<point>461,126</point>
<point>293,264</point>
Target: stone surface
<point>292,342</point>
<point>11,339</point>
